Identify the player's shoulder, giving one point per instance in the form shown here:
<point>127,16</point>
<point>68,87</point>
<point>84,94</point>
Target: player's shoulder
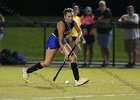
<point>108,10</point>
<point>125,15</point>
<point>76,18</point>
<point>136,14</point>
<point>60,23</point>
<point>97,10</point>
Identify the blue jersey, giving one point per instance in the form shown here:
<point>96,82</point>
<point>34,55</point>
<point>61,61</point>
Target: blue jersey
<point>53,42</point>
<point>68,28</point>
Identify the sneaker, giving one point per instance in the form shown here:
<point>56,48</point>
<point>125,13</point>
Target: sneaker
<point>80,82</point>
<point>84,64</point>
<point>129,65</point>
<point>105,63</point>
<point>25,75</point>
<point>133,64</point>
<point>90,62</point>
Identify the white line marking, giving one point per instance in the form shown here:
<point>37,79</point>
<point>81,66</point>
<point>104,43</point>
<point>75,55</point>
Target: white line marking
<point>85,96</point>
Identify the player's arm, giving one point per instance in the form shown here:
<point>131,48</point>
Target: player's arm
<point>2,19</point>
<point>121,19</point>
<point>103,21</point>
<point>127,21</point>
<point>134,21</point>
<point>79,31</point>
<point>61,29</point>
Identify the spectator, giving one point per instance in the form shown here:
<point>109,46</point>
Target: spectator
<point>104,34</point>
<point>87,20</point>
<point>74,34</point>
<point>2,20</point>
<point>131,35</point>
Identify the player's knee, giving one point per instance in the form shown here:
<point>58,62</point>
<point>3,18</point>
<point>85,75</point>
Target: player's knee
<point>78,50</point>
<point>73,58</point>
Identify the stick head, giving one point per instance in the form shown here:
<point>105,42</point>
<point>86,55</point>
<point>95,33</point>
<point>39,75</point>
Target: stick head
<point>54,78</point>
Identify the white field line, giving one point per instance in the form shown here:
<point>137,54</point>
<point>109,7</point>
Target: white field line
<point>85,96</point>
<point>71,97</point>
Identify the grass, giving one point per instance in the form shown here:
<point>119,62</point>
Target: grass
<point>105,84</point>
<point>29,42</point>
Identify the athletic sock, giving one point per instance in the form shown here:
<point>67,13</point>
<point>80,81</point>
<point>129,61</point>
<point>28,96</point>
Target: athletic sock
<point>74,68</point>
<point>34,68</point>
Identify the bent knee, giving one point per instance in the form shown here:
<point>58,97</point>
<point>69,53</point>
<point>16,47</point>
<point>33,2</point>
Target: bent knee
<point>77,50</point>
<point>73,57</point>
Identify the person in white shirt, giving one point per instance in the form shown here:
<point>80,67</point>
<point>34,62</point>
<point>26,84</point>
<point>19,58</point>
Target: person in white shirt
<point>131,35</point>
<point>2,20</point>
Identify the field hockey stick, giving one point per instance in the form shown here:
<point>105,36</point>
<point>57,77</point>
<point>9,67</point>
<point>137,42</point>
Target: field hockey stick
<point>63,63</point>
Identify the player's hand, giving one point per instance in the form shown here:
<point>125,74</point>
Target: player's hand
<point>77,40</point>
<point>83,41</point>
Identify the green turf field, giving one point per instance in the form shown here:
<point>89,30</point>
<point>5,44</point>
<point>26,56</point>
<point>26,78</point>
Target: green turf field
<point>105,84</point>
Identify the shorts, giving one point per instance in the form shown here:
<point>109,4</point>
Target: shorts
<point>104,39</point>
<point>89,39</point>
<point>53,42</point>
<point>73,38</point>
<point>131,45</point>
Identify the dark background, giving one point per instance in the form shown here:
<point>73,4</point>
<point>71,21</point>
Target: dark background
<point>55,7</point>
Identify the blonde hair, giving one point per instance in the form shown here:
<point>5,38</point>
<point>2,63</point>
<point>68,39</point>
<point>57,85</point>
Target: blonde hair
<point>66,10</point>
<point>102,2</point>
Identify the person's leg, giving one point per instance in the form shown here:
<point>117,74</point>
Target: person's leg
<point>130,56</point>
<point>90,53</point>
<point>73,59</point>
<point>78,47</point>
<point>126,49</point>
<point>130,49</point>
<point>106,45</point>
<point>103,55</point>
<point>134,58</point>
<point>48,59</point>
<point>107,54</point>
<point>101,43</point>
<point>135,47</point>
<point>74,66</point>
<point>85,54</point>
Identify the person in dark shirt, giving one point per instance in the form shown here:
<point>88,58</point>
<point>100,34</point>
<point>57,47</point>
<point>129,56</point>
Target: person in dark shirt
<point>104,34</point>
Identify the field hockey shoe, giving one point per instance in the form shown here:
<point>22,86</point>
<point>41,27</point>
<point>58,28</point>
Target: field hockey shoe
<point>25,75</point>
<point>81,82</point>
<point>105,63</point>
